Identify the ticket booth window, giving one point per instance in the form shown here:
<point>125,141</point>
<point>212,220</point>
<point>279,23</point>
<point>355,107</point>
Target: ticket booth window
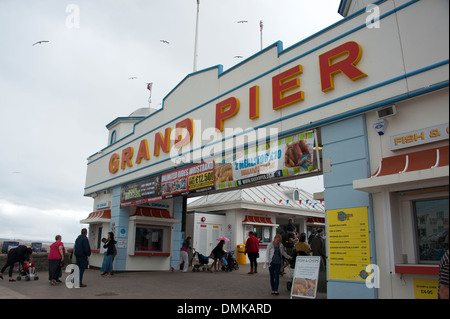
<point>148,239</point>
<point>431,219</point>
<point>263,233</point>
<point>99,237</point>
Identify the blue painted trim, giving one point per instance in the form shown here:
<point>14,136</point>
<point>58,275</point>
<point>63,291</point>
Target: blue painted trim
<point>124,118</point>
<point>324,121</point>
<point>280,52</point>
<point>365,109</point>
<point>302,128</point>
<point>219,68</point>
<point>334,25</point>
<point>342,6</point>
<point>113,137</point>
<point>278,45</point>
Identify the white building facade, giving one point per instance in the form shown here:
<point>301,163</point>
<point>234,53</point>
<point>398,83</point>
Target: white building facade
<point>265,210</point>
<point>370,91</point>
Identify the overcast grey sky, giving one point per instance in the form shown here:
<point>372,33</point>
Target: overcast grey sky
<point>56,97</point>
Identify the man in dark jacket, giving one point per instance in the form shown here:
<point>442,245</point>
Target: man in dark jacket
<point>18,254</point>
<point>82,251</point>
<point>318,247</point>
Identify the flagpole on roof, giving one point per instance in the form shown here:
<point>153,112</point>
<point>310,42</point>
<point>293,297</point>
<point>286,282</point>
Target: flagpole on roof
<point>260,31</point>
<point>196,37</point>
<point>149,87</point>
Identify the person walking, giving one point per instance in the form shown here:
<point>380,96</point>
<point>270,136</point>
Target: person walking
<point>312,236</point>
<point>108,257</point>
<point>318,247</point>
<point>82,251</point>
<point>217,253</point>
<point>18,254</point>
<point>443,277</point>
<point>290,225</point>
<point>252,251</point>
<point>301,247</point>
<point>55,260</point>
<point>184,257</point>
<point>274,253</point>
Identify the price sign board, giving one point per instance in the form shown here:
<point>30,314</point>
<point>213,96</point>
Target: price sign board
<point>348,243</point>
<point>426,288</point>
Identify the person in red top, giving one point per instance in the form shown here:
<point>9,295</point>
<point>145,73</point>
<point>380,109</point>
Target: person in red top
<point>55,258</point>
<point>252,251</point>
<point>28,265</point>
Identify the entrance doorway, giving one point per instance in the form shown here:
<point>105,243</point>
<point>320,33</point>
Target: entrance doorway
<point>207,238</point>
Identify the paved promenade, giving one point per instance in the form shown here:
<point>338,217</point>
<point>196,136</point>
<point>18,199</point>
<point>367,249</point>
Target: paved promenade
<point>156,285</point>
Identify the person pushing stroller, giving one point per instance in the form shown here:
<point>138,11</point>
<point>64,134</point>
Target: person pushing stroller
<point>18,254</point>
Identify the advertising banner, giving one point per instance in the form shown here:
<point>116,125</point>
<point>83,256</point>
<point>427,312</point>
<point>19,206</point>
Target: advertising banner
<point>306,277</point>
<point>286,157</point>
<point>201,177</point>
<point>140,192</point>
<point>348,243</point>
<point>195,178</point>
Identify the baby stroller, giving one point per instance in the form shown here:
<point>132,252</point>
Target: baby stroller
<point>228,262</point>
<point>199,261</point>
<point>26,270</point>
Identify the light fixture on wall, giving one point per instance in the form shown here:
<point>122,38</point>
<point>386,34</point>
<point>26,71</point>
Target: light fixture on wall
<point>380,124</point>
<point>387,111</point>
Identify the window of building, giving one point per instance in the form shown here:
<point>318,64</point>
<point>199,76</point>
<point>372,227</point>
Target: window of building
<point>148,239</point>
<point>99,237</point>
<point>420,225</point>
<point>431,220</point>
<point>113,137</point>
<point>262,233</point>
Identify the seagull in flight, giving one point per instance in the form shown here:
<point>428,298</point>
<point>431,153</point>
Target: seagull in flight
<point>40,42</point>
<point>238,57</point>
<point>164,41</point>
<point>132,77</point>
<point>242,21</point>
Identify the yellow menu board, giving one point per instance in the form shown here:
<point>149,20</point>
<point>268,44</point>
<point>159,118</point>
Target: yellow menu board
<point>348,243</point>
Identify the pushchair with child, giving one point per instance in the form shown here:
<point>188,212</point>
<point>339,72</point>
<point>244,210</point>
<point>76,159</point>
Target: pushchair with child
<point>228,262</point>
<point>199,261</point>
<point>26,270</point>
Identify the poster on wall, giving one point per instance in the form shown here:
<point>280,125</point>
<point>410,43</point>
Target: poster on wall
<point>348,243</point>
<point>306,277</point>
<point>192,179</point>
<point>142,191</point>
<point>286,157</point>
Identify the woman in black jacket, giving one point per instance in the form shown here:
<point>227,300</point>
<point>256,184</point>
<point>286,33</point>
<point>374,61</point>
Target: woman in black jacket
<point>18,254</point>
<point>109,245</point>
<point>217,253</point>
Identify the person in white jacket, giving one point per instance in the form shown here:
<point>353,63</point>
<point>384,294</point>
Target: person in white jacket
<point>275,251</point>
